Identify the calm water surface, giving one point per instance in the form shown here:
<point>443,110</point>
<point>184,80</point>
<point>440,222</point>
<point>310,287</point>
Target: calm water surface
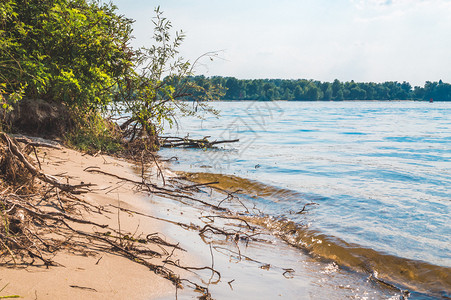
<point>379,172</point>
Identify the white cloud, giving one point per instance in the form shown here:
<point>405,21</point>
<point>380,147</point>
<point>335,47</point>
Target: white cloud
<point>389,6</point>
<point>364,40</point>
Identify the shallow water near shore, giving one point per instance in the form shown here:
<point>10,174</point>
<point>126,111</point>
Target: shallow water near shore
<point>378,174</point>
<point>266,269</point>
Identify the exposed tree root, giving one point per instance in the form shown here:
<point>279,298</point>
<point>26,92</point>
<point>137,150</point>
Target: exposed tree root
<point>34,226</point>
<point>12,147</point>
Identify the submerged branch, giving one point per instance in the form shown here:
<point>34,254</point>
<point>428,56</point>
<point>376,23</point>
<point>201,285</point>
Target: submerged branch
<point>171,142</point>
<point>75,189</point>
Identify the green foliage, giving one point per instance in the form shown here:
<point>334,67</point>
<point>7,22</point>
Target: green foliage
<point>311,90</point>
<point>164,85</point>
<point>9,85</point>
<point>76,52</point>
<point>69,51</point>
<point>7,102</point>
<point>439,91</point>
<point>94,133</point>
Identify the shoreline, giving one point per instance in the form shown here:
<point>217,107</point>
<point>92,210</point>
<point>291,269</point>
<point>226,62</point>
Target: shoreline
<point>377,186</point>
<point>415,276</point>
<point>245,268</point>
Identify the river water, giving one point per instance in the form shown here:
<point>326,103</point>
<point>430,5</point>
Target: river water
<point>376,178</point>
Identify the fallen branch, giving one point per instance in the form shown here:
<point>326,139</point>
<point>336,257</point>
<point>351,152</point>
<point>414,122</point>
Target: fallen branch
<point>197,185</point>
<point>156,189</point>
<point>83,288</point>
<point>41,175</point>
<point>171,142</point>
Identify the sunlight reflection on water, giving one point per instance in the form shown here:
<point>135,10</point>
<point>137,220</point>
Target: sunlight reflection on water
<point>379,170</point>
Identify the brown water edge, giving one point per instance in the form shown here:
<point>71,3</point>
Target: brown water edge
<point>404,273</point>
<point>269,269</point>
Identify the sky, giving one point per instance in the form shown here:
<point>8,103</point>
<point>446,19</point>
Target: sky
<point>360,40</point>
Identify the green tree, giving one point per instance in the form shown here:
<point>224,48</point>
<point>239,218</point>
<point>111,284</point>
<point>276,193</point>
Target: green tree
<point>327,91</point>
<point>336,86</point>
<point>156,95</point>
<point>233,89</point>
<point>287,95</point>
<point>298,93</point>
<point>11,89</point>
<point>77,53</point>
<point>357,93</point>
<point>339,95</point>
<point>313,92</point>
<point>73,52</point>
<point>253,90</point>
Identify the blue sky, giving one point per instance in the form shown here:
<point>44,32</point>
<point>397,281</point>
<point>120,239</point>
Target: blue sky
<point>361,40</point>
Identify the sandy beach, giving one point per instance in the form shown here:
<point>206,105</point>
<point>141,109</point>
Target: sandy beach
<point>101,275</point>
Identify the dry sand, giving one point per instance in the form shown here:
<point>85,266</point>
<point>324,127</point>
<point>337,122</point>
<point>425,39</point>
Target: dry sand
<point>87,277</point>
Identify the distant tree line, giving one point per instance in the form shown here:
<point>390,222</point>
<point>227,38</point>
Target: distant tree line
<point>312,90</point>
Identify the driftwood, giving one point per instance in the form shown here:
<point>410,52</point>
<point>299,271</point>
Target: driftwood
<point>171,142</point>
<point>33,231</point>
<point>75,189</point>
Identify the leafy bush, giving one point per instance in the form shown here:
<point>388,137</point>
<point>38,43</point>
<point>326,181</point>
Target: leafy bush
<point>93,133</point>
<point>163,89</point>
<point>69,51</point>
<point>77,53</point>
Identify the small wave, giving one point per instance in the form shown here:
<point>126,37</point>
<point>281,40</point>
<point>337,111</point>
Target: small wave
<point>244,186</point>
<point>354,133</point>
<point>406,273</point>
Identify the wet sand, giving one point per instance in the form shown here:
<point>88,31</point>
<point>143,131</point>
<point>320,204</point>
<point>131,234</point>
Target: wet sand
<point>263,270</point>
